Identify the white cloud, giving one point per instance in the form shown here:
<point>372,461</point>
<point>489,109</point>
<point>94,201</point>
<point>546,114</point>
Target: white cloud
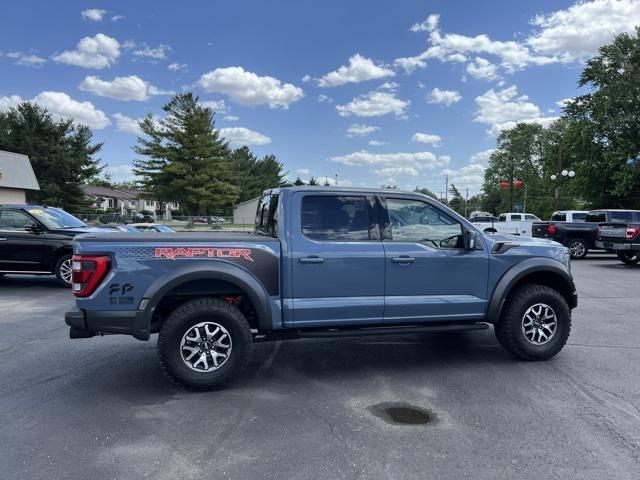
<point>324,99</point>
<point>9,102</point>
<point>127,124</point>
<point>561,36</point>
<point>26,59</point>
<point>563,103</point>
<point>94,14</point>
<point>482,69</point>
<point>303,171</point>
<point>429,25</point>
<point>482,158</point>
<point>121,173</point>
<point>121,88</point>
<point>216,105</point>
<point>504,109</point>
<point>244,136</point>
<point>417,160</point>
<point>117,18</point>
<point>306,78</point>
<point>177,67</point>
<point>96,52</point>
<point>581,29</point>
<point>359,70</point>
<point>444,97</point>
<point>395,171</point>
<point>231,118</point>
<point>358,130</point>
<point>374,104</point>
<point>377,143</point>
<point>470,176</point>
<point>250,89</point>
<point>61,105</point>
<point>158,53</point>
<point>427,138</point>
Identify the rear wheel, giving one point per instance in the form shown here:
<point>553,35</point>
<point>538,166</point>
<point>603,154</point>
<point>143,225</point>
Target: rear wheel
<point>63,270</point>
<point>578,248</point>
<point>204,344</point>
<point>535,322</point>
<point>630,258</point>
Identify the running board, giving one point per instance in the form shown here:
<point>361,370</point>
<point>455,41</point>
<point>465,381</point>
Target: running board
<point>361,332</point>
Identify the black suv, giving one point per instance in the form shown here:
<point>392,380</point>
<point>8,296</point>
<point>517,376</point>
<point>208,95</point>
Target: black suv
<point>37,240</point>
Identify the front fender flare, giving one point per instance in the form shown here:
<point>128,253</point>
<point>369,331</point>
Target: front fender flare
<point>512,276</point>
<point>220,271</point>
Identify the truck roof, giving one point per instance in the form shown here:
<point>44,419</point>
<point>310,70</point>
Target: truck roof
<point>333,188</point>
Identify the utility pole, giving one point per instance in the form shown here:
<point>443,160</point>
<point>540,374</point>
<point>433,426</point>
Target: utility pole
<point>524,206</point>
<point>446,189</point>
<point>466,203</point>
<point>336,179</point>
<point>511,188</point>
<point>557,192</point>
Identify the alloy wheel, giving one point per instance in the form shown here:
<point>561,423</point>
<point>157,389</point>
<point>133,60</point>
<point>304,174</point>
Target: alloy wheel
<point>205,347</point>
<point>539,323</point>
<point>66,270</point>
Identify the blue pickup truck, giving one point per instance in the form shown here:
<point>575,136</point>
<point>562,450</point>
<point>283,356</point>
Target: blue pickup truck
<point>322,262</point>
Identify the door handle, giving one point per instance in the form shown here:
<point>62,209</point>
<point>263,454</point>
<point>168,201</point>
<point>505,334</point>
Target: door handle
<point>403,259</point>
<point>311,259</point>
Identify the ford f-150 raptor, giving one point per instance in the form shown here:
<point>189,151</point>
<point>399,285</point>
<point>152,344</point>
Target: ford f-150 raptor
<point>322,262</point>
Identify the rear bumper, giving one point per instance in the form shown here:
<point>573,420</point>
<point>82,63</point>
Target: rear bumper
<point>84,324</point>
<point>616,245</point>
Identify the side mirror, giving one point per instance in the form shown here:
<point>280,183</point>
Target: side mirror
<point>33,228</point>
<point>471,240</point>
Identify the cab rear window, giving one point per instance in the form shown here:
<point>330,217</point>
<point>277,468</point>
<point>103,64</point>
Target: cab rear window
<point>267,215</point>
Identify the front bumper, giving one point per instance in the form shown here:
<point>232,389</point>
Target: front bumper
<point>613,245</point>
<point>85,324</point>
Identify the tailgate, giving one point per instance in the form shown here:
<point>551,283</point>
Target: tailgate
<point>614,231</point>
<point>539,229</point>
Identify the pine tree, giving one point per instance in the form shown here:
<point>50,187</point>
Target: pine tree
<point>61,154</point>
<point>186,160</point>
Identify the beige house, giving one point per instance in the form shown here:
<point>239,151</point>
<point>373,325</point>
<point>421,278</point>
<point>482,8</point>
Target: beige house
<point>16,177</point>
<point>127,202</point>
<point>245,212</point>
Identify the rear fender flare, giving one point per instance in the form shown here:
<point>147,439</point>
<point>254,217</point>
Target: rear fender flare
<point>516,273</point>
<point>220,271</point>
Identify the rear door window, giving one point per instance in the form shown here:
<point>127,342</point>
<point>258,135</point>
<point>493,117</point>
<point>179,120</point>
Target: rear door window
<point>267,215</point>
<point>336,218</point>
<point>621,217</point>
<point>579,217</point>
<point>596,217</point>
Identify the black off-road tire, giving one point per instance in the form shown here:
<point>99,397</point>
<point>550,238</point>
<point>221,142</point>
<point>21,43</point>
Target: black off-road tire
<point>509,331</point>
<point>63,261</point>
<point>629,258</point>
<point>183,319</point>
<point>578,248</point>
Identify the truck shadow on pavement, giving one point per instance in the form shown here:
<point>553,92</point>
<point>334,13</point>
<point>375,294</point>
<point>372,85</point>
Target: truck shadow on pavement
<point>30,281</point>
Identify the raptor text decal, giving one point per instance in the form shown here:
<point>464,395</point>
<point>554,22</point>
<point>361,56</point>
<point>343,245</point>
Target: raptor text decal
<point>173,253</point>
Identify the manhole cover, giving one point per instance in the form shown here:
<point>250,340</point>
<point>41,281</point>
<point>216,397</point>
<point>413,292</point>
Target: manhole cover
<point>403,414</point>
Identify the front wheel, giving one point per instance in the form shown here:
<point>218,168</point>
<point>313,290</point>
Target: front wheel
<point>630,258</point>
<point>578,248</point>
<point>204,344</point>
<point>535,322</point>
<point>63,270</point>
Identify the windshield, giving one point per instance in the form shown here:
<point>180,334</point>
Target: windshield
<point>54,218</point>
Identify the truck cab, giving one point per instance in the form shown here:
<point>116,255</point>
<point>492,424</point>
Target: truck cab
<point>322,262</point>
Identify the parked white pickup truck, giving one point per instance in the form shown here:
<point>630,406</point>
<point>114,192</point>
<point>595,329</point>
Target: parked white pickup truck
<point>507,223</point>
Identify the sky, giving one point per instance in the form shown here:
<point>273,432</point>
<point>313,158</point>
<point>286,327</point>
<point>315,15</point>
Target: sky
<point>376,92</point>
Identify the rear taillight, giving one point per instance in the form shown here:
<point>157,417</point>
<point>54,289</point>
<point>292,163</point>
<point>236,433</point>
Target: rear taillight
<point>631,232</point>
<point>551,228</point>
<point>88,272</point>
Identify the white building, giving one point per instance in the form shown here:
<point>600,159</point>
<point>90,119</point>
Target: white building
<point>16,177</point>
<point>245,213</point>
<point>127,202</point>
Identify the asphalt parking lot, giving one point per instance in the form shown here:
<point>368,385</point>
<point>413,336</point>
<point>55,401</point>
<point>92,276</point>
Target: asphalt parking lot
<point>100,408</point>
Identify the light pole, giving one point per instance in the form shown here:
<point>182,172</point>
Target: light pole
<point>558,180</point>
